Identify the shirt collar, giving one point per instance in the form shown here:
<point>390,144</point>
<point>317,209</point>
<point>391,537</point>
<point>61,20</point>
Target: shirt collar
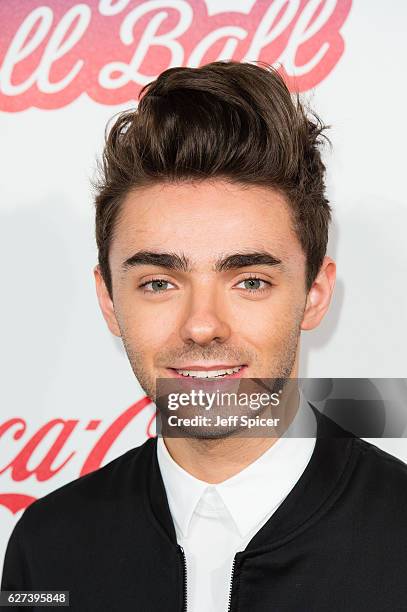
<point>256,490</point>
<point>183,490</point>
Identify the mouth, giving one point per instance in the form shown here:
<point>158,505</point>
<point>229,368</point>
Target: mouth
<point>201,372</point>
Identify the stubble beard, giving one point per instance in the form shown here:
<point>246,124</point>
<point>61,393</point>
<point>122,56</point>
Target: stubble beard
<point>280,370</point>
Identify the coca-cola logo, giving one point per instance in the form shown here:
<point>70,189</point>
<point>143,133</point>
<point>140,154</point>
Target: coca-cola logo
<point>47,467</point>
<point>52,52</point>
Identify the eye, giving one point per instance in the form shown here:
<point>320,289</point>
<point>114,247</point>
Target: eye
<point>155,285</point>
<point>255,284</point>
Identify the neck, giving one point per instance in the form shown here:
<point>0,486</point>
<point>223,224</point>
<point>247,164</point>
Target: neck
<point>214,461</point>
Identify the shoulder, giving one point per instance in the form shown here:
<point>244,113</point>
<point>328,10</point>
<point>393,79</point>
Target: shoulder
<point>377,492</point>
<point>376,479</point>
<point>78,519</point>
<point>381,466</point>
<point>376,502</point>
<point>89,496</point>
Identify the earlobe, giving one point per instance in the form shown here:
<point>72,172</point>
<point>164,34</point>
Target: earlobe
<point>320,294</point>
<point>105,302</point>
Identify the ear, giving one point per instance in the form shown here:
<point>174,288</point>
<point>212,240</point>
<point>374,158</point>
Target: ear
<point>319,296</point>
<point>105,302</point>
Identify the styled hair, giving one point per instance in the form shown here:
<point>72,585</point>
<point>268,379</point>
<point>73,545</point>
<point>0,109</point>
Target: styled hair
<point>228,120</point>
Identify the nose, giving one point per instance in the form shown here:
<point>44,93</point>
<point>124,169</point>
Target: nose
<point>205,319</point>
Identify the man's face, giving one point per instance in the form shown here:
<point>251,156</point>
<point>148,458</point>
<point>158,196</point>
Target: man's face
<point>209,310</point>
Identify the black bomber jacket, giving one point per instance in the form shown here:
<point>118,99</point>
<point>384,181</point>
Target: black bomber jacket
<point>337,543</point>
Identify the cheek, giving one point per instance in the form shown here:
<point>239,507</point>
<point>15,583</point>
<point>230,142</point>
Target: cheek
<point>271,323</point>
<point>147,326</point>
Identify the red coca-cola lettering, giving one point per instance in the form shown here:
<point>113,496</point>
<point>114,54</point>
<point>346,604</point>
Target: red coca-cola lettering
<point>45,470</point>
<point>52,53</point>
<point>98,452</point>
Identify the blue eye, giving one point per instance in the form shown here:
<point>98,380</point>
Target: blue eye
<point>158,285</point>
<point>252,284</point>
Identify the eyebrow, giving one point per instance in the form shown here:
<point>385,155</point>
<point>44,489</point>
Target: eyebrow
<point>181,263</point>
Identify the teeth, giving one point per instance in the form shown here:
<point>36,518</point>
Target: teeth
<point>208,373</point>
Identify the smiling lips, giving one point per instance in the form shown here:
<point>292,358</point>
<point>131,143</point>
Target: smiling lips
<point>216,371</point>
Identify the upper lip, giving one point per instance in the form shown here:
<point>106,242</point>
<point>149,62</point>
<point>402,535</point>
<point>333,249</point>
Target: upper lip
<point>215,366</point>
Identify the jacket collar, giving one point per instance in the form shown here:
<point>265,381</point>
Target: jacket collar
<point>326,473</point>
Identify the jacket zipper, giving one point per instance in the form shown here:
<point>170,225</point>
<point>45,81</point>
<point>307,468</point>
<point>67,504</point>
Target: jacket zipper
<point>184,565</point>
<point>231,583</point>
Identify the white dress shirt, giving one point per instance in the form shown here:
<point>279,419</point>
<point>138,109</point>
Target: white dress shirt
<point>214,522</point>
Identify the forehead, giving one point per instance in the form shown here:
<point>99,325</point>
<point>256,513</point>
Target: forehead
<point>204,219</point>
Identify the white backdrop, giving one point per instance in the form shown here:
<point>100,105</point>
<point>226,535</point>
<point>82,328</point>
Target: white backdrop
<point>60,362</point>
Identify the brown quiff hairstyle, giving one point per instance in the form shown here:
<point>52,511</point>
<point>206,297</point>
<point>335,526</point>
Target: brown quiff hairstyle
<point>228,120</point>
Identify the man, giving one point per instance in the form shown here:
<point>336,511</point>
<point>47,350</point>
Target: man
<point>212,227</point>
